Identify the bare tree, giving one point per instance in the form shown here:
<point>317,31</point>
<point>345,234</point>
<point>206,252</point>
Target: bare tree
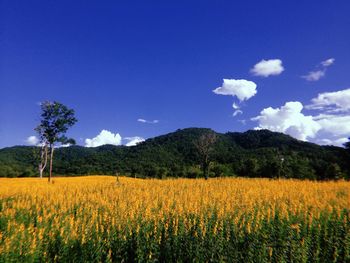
<point>40,156</point>
<point>205,145</point>
<point>43,159</point>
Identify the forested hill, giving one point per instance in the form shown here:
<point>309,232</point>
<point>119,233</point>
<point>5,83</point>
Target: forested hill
<point>259,153</point>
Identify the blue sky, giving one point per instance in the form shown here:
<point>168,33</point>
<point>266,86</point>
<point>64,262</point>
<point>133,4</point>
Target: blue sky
<point>145,68</point>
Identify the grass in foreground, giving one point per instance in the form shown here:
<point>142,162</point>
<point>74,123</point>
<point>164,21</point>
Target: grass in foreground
<point>228,219</point>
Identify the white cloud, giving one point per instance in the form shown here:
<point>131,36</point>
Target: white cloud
<point>338,101</point>
<point>328,62</point>
<point>32,140</point>
<point>236,112</point>
<point>146,121</point>
<point>315,75</point>
<point>335,125</point>
<point>330,126</point>
<point>105,137</point>
<point>132,141</point>
<point>267,68</point>
<point>65,145</point>
<point>235,106</point>
<point>288,119</point>
<point>334,117</point>
<point>241,88</point>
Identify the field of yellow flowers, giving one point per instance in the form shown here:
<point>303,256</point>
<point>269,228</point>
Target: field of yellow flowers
<point>100,219</point>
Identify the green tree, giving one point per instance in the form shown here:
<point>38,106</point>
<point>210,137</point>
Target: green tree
<point>333,171</point>
<point>219,170</point>
<point>56,119</point>
<point>251,167</point>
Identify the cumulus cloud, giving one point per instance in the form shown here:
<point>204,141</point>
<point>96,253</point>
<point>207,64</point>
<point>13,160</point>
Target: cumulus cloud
<point>267,68</point>
<point>337,101</point>
<point>288,119</point>
<point>32,140</point>
<point>315,75</point>
<point>146,121</point>
<point>132,141</point>
<point>334,117</point>
<point>105,137</point>
<point>335,125</point>
<point>331,125</point>
<point>241,88</point>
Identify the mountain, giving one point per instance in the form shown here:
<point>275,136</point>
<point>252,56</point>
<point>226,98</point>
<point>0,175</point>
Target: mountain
<point>255,153</point>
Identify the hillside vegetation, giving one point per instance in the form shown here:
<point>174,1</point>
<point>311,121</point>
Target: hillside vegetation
<point>251,154</point>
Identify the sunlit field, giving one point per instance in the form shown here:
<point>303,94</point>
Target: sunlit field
<point>98,218</point>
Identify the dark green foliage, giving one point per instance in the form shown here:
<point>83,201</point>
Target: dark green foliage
<point>253,153</point>
<point>55,120</point>
<point>347,144</point>
<point>220,170</point>
<point>333,170</point>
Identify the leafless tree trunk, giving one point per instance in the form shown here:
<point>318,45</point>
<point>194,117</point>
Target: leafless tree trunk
<point>205,145</point>
<point>117,175</point>
<point>43,160</point>
<point>51,160</point>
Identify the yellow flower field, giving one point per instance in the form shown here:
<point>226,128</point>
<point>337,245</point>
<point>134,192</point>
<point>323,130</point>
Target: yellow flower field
<point>96,212</point>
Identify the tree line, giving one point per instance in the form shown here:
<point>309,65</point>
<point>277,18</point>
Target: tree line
<point>191,152</point>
